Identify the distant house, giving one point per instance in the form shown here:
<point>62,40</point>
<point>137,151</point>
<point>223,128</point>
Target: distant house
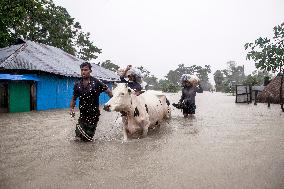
<point>35,76</point>
<point>271,92</point>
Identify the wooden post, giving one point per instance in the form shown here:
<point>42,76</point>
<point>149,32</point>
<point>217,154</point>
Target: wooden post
<point>236,94</point>
<point>250,93</point>
<point>281,91</point>
<point>255,96</point>
<point>247,94</point>
<point>268,101</point>
<point>33,96</point>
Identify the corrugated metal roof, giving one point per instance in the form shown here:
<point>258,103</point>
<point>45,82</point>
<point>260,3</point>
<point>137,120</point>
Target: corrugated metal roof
<point>35,56</point>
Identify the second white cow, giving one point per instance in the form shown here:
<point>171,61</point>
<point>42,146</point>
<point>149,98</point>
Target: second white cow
<point>140,112</point>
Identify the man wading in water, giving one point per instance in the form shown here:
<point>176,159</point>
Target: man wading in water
<point>88,90</point>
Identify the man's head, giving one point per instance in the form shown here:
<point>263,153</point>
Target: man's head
<point>86,69</point>
<point>131,75</point>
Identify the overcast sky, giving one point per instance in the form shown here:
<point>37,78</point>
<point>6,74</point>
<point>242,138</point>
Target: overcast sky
<point>160,34</point>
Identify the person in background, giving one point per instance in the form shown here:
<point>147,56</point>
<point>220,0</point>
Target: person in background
<point>88,90</point>
<point>187,101</point>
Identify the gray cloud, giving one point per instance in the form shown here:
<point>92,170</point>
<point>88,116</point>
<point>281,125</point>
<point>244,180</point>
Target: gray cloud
<point>161,34</point>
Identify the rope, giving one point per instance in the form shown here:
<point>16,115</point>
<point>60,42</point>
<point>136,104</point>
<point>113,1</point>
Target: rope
<point>112,128</point>
<point>87,136</point>
<point>83,132</point>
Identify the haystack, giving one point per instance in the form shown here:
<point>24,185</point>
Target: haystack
<point>272,91</point>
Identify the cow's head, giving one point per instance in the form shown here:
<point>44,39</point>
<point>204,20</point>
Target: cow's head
<point>121,100</point>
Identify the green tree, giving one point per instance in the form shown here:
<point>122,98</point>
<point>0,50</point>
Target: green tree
<point>174,75</point>
<point>44,22</point>
<point>143,70</point>
<point>168,86</point>
<point>256,78</point>
<point>233,75</point>
<point>150,79</point>
<point>152,82</point>
<point>202,74</point>
<point>109,65</point>
<point>269,54</point>
<point>219,79</point>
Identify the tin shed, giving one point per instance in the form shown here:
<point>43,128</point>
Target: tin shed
<point>35,76</point>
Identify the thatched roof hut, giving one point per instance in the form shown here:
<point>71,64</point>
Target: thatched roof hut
<point>272,91</point>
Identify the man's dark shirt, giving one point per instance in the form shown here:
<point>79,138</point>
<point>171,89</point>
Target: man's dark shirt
<point>132,84</point>
<point>89,99</point>
<point>189,93</point>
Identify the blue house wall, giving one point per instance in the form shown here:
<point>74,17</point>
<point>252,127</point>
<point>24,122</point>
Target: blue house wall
<point>54,91</point>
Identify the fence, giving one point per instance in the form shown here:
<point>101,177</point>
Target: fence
<point>243,94</point>
<point>247,93</point>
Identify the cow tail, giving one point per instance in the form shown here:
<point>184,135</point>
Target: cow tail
<point>168,102</point>
<point>169,108</point>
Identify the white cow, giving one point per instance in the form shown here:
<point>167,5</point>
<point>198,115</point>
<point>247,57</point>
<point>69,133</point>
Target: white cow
<point>141,112</point>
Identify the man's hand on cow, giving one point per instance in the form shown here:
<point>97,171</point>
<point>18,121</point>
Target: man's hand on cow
<point>106,108</point>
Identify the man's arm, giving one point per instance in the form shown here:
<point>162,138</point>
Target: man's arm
<point>104,88</point>
<point>199,89</point>
<point>122,77</point>
<point>109,92</point>
<point>72,106</point>
<point>126,70</point>
<point>182,97</point>
<point>73,100</point>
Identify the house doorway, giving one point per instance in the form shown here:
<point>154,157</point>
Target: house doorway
<point>19,96</point>
<point>4,97</point>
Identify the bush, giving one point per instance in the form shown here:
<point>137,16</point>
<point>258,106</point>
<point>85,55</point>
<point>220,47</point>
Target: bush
<point>167,86</point>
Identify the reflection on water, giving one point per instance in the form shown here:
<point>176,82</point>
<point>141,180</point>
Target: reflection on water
<point>226,145</point>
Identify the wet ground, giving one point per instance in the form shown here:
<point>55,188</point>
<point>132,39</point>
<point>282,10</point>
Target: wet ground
<point>227,145</point>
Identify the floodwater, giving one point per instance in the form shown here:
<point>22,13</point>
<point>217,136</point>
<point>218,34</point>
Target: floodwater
<point>227,145</point>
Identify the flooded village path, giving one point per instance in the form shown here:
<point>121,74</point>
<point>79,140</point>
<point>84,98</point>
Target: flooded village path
<point>228,145</point>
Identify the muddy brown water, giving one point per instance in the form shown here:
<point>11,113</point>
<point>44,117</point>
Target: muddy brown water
<point>227,145</point>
